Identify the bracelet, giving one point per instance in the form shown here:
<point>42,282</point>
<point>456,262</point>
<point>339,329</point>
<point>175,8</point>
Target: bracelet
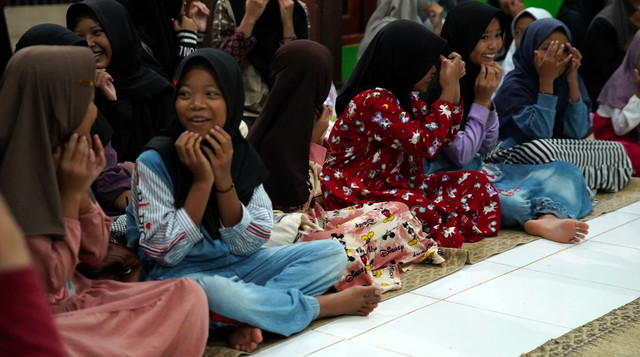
<point>288,38</point>
<point>227,190</point>
<point>547,93</point>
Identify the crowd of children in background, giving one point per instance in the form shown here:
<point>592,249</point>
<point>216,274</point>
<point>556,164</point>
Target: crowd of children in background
<point>173,163</point>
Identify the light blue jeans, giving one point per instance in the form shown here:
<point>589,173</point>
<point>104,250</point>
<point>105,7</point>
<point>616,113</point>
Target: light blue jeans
<point>274,288</point>
<point>529,191</point>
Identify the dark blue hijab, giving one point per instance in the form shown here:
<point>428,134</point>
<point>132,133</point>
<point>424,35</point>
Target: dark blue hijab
<point>520,87</point>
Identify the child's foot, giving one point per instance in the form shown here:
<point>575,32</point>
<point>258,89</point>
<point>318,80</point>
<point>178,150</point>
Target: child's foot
<point>357,300</point>
<point>244,338</point>
<point>558,230</point>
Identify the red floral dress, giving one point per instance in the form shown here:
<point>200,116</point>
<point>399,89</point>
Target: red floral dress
<point>376,154</point>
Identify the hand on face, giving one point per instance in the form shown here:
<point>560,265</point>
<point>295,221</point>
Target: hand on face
<point>486,83</point>
<point>104,82</point>
<point>185,24</point>
<point>320,126</point>
<point>78,165</point>
<point>435,12</point>
<point>199,13</point>
<point>550,63</point>
<point>576,61</point>
<point>451,69</point>
<point>206,157</point>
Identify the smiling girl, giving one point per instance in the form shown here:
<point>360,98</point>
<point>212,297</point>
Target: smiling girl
<point>542,199</point>
<point>200,210</point>
<point>135,100</point>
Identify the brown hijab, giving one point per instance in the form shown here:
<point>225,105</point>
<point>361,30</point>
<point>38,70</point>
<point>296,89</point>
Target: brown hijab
<point>301,73</point>
<point>45,93</point>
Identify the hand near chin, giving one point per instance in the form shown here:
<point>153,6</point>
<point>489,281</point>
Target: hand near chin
<point>191,156</point>
<point>219,151</point>
<point>78,165</point>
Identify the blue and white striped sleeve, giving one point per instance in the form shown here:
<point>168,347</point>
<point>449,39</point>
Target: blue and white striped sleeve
<point>166,234</point>
<point>254,229</point>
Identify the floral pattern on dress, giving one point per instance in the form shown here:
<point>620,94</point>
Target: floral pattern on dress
<point>376,155</point>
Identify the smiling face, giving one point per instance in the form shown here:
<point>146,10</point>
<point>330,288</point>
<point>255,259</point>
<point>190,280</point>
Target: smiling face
<point>200,104</point>
<point>422,85</point>
<point>488,45</point>
<point>91,31</point>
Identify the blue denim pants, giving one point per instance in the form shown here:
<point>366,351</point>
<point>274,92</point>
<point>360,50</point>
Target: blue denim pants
<point>529,191</point>
<point>274,288</point>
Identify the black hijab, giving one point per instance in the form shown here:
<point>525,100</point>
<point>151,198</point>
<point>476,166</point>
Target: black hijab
<point>132,80</point>
<point>56,35</point>
<point>49,34</point>
<point>463,28</point>
<point>300,80</point>
<point>247,170</point>
<point>268,32</point>
<point>153,20</point>
<point>397,58</point>
<point>508,36</point>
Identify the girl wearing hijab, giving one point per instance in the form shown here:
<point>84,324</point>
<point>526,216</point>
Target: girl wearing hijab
<point>135,100</point>
<point>112,187</point>
<point>200,210</point>
<point>518,25</point>
<point>607,40</point>
<point>544,199</point>
<point>543,111</point>
<point>618,116</point>
<point>251,31</point>
<point>288,135</point>
<point>47,115</point>
<point>167,34</point>
<point>384,133</point>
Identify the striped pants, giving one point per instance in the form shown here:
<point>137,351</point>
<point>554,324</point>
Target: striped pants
<point>604,164</point>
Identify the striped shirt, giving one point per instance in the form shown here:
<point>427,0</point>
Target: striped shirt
<point>167,234</point>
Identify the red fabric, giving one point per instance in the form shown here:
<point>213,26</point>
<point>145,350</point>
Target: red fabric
<point>377,152</point>
<point>603,130</point>
<point>26,325</point>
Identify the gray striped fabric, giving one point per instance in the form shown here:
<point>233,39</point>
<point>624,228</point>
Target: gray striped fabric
<point>604,164</point>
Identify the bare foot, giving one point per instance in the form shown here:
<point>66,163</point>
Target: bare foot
<point>357,300</point>
<point>244,338</point>
<point>558,230</point>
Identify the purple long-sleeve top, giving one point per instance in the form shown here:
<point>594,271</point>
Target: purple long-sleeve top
<point>479,136</point>
<point>113,180</point>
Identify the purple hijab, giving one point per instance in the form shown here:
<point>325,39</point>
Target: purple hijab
<point>621,85</point>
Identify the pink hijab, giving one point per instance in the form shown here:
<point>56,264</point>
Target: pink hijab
<point>621,85</point>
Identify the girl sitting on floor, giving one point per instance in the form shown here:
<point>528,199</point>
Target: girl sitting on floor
<point>544,199</point>
<point>199,210</point>
<point>378,237</point>
<point>384,133</point>
<point>48,162</point>
<point>618,115</point>
<point>543,109</point>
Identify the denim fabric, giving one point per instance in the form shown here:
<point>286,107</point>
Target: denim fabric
<point>274,288</point>
<point>529,191</point>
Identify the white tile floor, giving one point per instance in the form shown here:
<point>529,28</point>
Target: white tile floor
<point>503,306</point>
